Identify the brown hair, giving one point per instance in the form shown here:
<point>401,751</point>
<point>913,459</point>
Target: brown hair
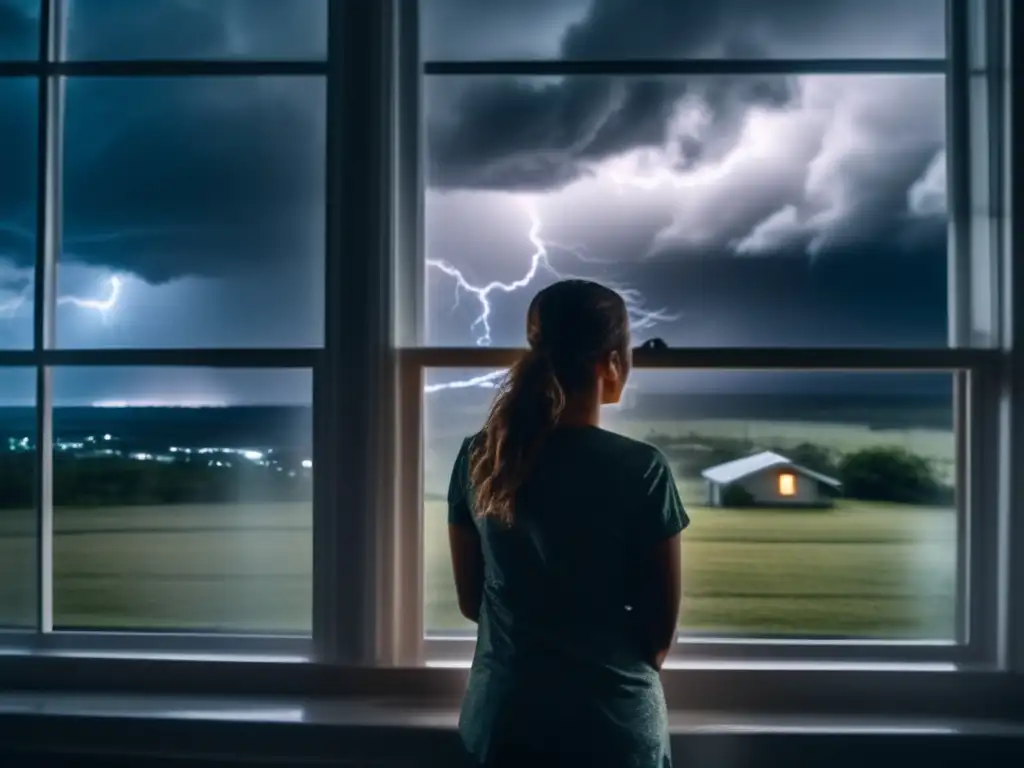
<point>571,326</point>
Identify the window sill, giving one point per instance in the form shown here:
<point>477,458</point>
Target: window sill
<point>775,688</point>
<point>783,665</point>
<point>371,712</point>
<point>382,731</point>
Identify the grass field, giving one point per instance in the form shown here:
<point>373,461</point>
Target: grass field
<point>237,568</point>
<point>858,570</point>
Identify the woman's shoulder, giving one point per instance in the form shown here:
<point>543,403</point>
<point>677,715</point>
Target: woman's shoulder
<point>470,442</point>
<point>628,451</point>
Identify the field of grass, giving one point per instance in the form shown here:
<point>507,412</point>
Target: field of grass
<point>232,568</point>
<point>857,570</point>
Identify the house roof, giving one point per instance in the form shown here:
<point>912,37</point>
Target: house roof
<point>731,471</point>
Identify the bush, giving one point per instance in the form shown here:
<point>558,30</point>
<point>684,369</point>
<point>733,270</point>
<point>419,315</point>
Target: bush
<point>890,474</point>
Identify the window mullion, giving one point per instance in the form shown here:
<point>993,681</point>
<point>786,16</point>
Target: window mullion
<point>48,234</point>
<point>401,525</point>
<point>978,207</point>
<point>349,394</point>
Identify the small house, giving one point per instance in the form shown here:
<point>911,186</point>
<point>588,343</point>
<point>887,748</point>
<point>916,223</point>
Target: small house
<point>768,479</point>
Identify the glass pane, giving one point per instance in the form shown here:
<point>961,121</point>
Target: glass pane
<point>19,29</point>
<point>18,539</point>
<point>183,499</point>
<point>187,29</point>
<point>740,211</point>
<point>193,213</point>
<point>18,123</point>
<point>671,29</point>
<point>845,529</point>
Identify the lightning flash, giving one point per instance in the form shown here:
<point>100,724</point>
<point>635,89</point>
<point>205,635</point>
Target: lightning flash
<point>640,317</point>
<point>102,306</point>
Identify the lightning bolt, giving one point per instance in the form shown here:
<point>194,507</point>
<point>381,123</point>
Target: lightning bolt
<point>486,380</point>
<point>483,293</point>
<point>104,306</point>
<point>640,317</point>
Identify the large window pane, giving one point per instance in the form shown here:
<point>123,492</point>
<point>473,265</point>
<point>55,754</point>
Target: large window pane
<point>846,529</point>
<point>183,500</point>
<point>740,211</point>
<point>670,29</point>
<point>18,539</point>
<point>186,29</point>
<point>193,213</point>
<point>18,123</point>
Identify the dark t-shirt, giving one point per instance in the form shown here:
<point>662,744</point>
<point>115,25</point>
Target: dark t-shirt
<point>562,660</point>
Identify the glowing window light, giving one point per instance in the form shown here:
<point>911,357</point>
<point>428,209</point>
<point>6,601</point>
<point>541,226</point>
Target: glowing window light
<point>787,484</point>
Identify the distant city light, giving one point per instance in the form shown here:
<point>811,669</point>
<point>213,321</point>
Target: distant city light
<point>89,447</point>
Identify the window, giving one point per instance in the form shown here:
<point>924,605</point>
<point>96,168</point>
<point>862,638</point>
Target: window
<point>232,228</point>
<point>182,500</point>
<point>19,29</point>
<point>764,204</point>
<point>162,323</point>
<point>866,549</point>
<point>18,121</point>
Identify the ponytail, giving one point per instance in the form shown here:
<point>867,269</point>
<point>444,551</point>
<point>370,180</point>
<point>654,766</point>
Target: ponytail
<point>527,407</point>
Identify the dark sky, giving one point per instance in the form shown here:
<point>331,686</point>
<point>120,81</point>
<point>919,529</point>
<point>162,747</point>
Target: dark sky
<point>739,211</point>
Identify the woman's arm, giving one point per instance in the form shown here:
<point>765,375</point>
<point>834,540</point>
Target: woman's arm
<point>666,593</point>
<point>468,566</point>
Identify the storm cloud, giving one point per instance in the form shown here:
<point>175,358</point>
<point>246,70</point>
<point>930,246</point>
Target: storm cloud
<point>194,176</point>
<point>546,132</point>
<point>538,135</point>
<point>625,29</point>
<point>169,177</point>
<point>196,29</point>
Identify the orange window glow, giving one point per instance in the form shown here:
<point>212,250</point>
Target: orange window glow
<point>787,485</point>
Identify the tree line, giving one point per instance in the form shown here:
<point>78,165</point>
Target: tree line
<point>875,473</point>
<point>118,481</point>
<point>879,473</point>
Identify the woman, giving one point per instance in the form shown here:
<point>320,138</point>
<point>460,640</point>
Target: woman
<point>565,547</point>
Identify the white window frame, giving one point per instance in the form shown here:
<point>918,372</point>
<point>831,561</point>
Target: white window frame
<point>368,389</point>
<point>977,353</point>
